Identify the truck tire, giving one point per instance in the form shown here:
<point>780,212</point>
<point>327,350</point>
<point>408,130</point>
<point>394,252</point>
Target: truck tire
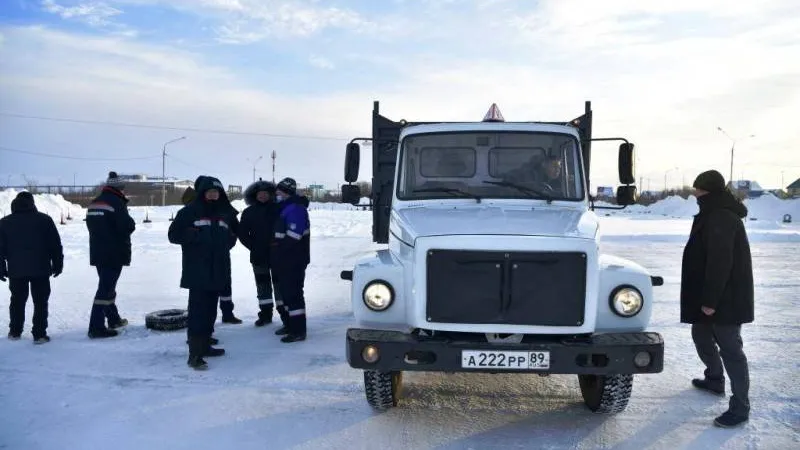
<point>606,394</point>
<point>382,388</point>
<point>167,319</point>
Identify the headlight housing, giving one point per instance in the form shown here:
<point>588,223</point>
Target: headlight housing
<point>626,301</point>
<point>378,295</point>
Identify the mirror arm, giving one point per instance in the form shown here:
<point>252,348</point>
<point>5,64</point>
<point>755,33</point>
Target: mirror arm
<point>593,206</point>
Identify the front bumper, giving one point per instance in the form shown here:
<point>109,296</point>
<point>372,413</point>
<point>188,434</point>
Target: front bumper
<point>609,353</point>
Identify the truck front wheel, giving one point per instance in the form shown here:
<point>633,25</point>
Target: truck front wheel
<point>382,388</point>
<point>606,394</point>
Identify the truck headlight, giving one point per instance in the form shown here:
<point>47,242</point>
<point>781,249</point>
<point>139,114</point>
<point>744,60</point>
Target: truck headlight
<point>626,301</point>
<point>378,295</point>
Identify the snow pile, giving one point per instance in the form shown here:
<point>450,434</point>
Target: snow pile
<point>764,208</point>
<point>53,205</point>
<point>771,208</point>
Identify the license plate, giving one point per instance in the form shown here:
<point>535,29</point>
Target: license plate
<point>507,360</point>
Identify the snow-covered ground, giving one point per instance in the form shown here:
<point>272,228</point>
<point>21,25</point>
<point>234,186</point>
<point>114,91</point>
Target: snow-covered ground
<point>136,392</point>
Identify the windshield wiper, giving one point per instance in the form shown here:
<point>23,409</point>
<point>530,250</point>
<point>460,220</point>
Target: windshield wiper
<point>450,191</point>
<point>532,193</point>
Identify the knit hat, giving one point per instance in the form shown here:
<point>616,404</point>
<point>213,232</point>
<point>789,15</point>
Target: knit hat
<point>711,181</point>
<point>114,181</point>
<point>287,185</point>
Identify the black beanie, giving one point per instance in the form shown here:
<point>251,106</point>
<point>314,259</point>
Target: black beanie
<point>711,181</point>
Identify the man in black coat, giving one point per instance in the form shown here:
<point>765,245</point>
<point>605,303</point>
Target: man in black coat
<point>205,231</point>
<point>717,293</point>
<point>30,251</point>
<point>110,228</point>
<point>256,233</point>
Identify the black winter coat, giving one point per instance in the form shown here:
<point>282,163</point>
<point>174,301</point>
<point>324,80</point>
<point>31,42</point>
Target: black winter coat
<point>110,228</point>
<point>717,270</point>
<point>30,246</point>
<point>205,232</point>
<point>258,223</point>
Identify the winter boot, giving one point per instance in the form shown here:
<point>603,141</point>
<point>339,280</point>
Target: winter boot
<point>119,324</point>
<point>710,385</point>
<point>282,331</point>
<point>291,337</point>
<point>41,340</point>
<point>14,336</point>
<point>102,333</point>
<point>211,351</point>
<point>231,319</point>
<point>264,316</point>
<point>730,420</point>
<point>196,347</point>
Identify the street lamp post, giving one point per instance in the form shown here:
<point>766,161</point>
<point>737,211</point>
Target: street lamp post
<point>733,145</point>
<point>665,178</point>
<point>164,170</point>
<point>254,168</point>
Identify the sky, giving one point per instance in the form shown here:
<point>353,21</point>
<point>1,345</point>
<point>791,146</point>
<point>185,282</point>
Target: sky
<point>242,78</point>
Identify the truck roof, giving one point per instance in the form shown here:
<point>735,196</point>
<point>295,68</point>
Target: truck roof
<point>489,127</point>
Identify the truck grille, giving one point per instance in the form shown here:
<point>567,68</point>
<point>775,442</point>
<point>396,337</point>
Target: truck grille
<point>514,288</point>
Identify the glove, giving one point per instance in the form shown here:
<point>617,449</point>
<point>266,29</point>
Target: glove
<point>58,267</point>
<point>2,277</point>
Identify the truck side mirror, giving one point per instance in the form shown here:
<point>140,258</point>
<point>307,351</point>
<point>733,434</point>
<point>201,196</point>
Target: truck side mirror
<point>351,193</point>
<point>626,195</point>
<point>626,175</point>
<point>352,158</point>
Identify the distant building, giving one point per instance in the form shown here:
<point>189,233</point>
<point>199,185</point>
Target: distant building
<point>147,182</point>
<point>605,192</point>
<point>794,189</point>
<point>746,188</point>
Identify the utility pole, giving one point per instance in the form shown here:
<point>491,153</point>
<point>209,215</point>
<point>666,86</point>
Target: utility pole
<point>274,156</point>
<point>733,145</point>
<point>665,178</point>
<point>164,170</point>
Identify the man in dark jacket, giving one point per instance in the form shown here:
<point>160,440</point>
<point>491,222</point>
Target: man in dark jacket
<point>30,251</point>
<point>110,228</point>
<point>226,295</point>
<point>204,230</point>
<point>256,233</point>
<point>717,293</point>
<point>291,255</point>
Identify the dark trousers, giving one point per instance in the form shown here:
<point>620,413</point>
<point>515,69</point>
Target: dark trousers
<point>225,303</point>
<point>291,285</point>
<point>39,288</point>
<point>105,306</point>
<point>707,337</point>
<point>265,280</point>
<point>202,313</point>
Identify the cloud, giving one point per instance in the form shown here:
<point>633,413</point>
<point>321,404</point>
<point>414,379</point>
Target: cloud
<point>664,76</point>
<point>320,62</point>
<point>95,13</point>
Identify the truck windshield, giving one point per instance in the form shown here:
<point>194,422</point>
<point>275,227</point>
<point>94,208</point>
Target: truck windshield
<point>490,165</point>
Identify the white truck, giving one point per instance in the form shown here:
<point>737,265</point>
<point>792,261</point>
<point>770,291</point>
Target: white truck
<point>493,261</point>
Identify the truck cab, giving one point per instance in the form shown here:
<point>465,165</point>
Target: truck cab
<point>492,260</point>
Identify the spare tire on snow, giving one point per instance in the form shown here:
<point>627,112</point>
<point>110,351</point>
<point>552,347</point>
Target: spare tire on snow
<point>167,319</point>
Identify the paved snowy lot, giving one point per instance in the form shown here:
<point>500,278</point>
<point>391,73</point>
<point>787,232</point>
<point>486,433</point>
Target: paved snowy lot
<point>136,392</point>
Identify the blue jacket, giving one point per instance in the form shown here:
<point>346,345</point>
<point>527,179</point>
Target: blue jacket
<point>206,233</point>
<point>110,228</point>
<point>292,244</point>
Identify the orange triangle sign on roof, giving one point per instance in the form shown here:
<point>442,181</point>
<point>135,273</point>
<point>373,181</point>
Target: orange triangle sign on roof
<point>493,115</point>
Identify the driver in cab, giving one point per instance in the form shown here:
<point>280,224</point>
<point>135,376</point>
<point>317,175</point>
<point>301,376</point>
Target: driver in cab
<point>547,172</point>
